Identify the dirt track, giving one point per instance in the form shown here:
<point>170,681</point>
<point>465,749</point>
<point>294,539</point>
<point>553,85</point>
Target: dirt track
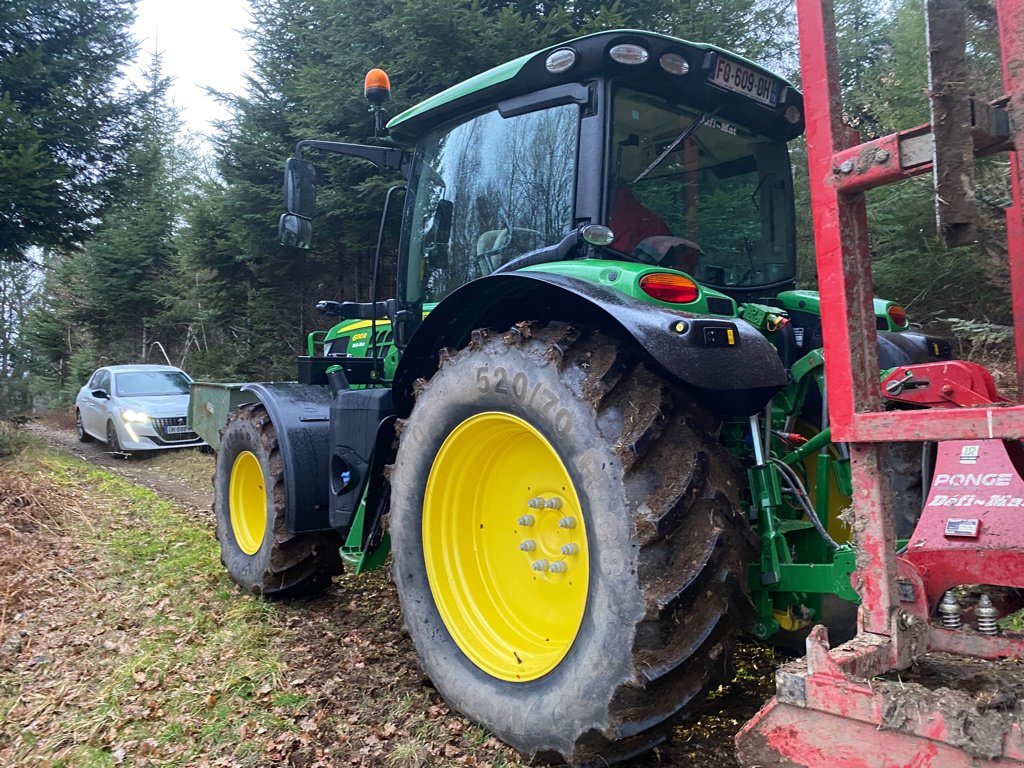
<point>142,469</point>
<point>355,659</point>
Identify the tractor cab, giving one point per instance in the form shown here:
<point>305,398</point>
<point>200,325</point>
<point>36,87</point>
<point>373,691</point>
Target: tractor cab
<point>679,148</point>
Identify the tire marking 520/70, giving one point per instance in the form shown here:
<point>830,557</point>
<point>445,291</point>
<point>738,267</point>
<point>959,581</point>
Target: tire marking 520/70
<point>517,385</point>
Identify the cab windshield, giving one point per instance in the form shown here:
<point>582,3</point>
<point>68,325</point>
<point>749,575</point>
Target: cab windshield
<point>485,191</point>
<point>724,191</point>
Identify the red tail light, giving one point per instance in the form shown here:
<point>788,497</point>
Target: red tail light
<point>898,315</point>
<point>665,286</point>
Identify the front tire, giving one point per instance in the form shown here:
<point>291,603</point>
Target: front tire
<point>83,436</point>
<point>258,551</point>
<point>591,660</point>
<point>114,443</point>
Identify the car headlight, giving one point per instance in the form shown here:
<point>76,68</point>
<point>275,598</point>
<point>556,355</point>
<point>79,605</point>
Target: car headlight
<point>137,417</point>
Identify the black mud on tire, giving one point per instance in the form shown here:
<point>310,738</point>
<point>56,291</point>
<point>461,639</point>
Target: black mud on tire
<point>668,549</point>
<point>286,564</point>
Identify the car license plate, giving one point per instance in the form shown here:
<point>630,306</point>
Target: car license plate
<point>178,429</point>
<point>736,77</point>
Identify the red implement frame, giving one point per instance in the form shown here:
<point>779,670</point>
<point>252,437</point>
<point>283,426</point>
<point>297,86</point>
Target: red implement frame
<point>839,707</point>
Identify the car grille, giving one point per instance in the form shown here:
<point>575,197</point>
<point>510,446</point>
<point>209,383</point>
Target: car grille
<point>170,430</point>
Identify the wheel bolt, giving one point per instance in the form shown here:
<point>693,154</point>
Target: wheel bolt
<point>567,522</point>
<point>526,521</point>
<point>540,565</point>
<point>571,549</point>
<point>558,567</point>
<point>528,546</point>
<point>553,503</point>
<point>535,503</point>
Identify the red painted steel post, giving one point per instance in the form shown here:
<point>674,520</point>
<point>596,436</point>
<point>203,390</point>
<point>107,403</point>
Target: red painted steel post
<point>848,318</point>
<point>1011,39</point>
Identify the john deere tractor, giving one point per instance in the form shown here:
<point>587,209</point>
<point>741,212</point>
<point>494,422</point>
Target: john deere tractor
<point>590,422</point>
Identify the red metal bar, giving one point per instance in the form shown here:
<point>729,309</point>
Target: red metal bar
<point>898,156</point>
<point>1010,14</point>
<point>847,314</point>
<point>941,424</point>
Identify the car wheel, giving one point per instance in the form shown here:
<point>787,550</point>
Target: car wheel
<point>83,436</point>
<point>114,444</point>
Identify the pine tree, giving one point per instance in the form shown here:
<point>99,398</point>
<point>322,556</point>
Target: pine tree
<point>64,124</point>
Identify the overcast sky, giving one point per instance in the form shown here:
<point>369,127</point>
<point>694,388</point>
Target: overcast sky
<point>202,46</point>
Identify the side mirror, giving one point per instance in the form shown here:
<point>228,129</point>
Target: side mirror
<point>300,188</point>
<point>294,231</point>
<point>100,394</point>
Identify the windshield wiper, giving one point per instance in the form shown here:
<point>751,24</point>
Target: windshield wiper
<point>687,133</point>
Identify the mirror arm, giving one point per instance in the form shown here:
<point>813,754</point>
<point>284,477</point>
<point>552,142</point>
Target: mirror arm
<point>382,157</point>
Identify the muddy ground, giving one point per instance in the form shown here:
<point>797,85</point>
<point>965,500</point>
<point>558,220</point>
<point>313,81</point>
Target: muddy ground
<point>354,657</point>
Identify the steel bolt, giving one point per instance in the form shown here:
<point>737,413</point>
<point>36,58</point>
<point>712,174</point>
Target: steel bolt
<point>536,502</point>
<point>558,567</point>
<point>553,503</point>
<point>882,156</point>
<point>571,549</point>
<point>540,565</point>
<point>950,611</point>
<point>567,522</point>
<point>987,615</point>
<point>526,521</point>
<point>528,546</point>
<point>846,166</point>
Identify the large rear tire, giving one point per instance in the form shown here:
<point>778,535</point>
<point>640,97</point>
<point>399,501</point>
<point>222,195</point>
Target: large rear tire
<point>545,446</point>
<point>257,549</point>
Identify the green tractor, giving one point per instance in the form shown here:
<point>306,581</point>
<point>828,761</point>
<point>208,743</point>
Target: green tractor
<point>590,425</point>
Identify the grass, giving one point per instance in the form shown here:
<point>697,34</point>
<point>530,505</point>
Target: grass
<point>187,667</point>
<point>137,649</point>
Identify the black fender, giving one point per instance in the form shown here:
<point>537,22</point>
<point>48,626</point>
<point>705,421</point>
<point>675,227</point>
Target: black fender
<point>300,414</point>
<point>909,347</point>
<point>736,379</point>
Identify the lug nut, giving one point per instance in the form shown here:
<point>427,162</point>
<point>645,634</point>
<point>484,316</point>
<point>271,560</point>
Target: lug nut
<point>570,549</point>
<point>987,615</point>
<point>540,565</point>
<point>567,522</point>
<point>558,567</point>
<point>553,503</point>
<point>528,546</point>
<point>526,521</point>
<point>536,502</point>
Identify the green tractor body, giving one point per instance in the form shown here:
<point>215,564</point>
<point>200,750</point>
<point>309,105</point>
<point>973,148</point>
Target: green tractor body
<point>591,421</point>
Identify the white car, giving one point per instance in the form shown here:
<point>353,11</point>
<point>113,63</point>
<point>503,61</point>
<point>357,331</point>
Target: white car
<point>136,408</point>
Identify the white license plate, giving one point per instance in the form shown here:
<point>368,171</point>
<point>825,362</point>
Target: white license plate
<point>736,77</point>
<point>178,429</point>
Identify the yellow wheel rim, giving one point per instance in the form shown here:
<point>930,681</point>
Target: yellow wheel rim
<point>505,547</point>
<point>247,500</point>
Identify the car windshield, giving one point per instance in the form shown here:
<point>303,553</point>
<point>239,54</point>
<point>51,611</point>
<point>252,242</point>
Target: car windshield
<point>677,172</point>
<point>146,383</point>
